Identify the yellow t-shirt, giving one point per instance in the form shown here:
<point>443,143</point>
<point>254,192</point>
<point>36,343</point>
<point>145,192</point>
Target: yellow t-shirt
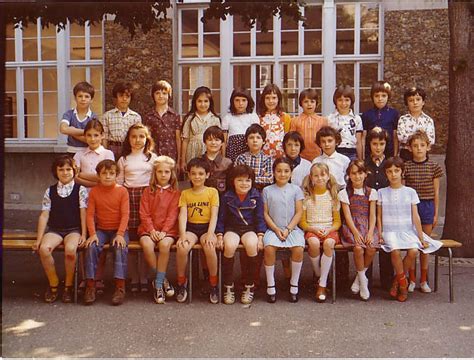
<point>199,205</point>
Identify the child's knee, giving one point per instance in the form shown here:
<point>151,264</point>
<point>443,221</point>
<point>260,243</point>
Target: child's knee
<point>329,244</point>
<point>412,253</point>
<point>45,250</point>
<point>164,248</point>
<point>358,250</point>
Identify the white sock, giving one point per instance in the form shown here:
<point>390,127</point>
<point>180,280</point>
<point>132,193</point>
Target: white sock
<point>361,274</point>
<point>270,271</point>
<point>326,262</point>
<point>315,263</point>
<point>295,276</point>
<point>365,270</point>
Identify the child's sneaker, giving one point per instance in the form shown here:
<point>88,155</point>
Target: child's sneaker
<point>411,287</point>
<point>355,287</point>
<point>229,294</point>
<point>364,288</point>
<point>168,288</point>
<point>159,295</point>
<point>182,292</point>
<point>214,295</point>
<point>424,287</point>
<point>247,295</point>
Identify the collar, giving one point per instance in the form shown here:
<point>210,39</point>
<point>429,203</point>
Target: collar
<point>295,162</point>
<point>168,110</point>
<point>88,115</point>
<point>163,188</point>
<point>260,153</point>
<point>375,159</point>
<point>217,160</point>
<point>421,162</point>
<point>332,156</point>
<point>320,192</point>
<point>98,151</point>
<point>351,113</point>
<point>385,108</point>
<point>65,186</point>
<point>117,110</point>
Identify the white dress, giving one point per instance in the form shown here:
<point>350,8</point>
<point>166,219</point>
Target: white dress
<point>398,229</point>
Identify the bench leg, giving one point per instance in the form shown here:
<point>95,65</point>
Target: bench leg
<point>451,285</point>
<point>76,270</point>
<point>190,277</point>
<point>219,267</point>
<point>436,273</point>
<point>334,276</point>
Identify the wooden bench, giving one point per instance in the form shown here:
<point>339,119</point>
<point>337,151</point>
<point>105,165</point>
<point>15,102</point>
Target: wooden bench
<point>24,241</point>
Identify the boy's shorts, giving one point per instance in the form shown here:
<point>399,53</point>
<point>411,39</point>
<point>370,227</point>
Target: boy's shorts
<point>240,230</point>
<point>426,210</point>
<point>63,233</point>
<point>197,229</point>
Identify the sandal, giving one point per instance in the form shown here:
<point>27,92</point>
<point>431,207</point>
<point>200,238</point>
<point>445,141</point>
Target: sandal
<point>51,294</point>
<point>144,287</point>
<point>67,295</point>
<point>134,288</point>
<point>403,290</point>
<point>394,288</point>
<point>321,294</point>
<point>99,287</point>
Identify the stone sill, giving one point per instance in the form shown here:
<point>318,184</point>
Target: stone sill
<point>35,148</point>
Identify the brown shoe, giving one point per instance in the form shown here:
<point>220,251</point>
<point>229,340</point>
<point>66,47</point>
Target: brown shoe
<point>394,288</point>
<point>51,294</point>
<point>119,296</point>
<point>403,290</point>
<point>67,295</point>
<point>321,294</point>
<point>89,295</point>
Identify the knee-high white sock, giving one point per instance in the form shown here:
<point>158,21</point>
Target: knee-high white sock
<point>315,263</point>
<point>270,272</point>
<point>325,267</point>
<point>295,276</point>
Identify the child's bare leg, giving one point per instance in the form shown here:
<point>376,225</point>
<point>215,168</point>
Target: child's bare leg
<point>397,262</point>
<point>71,242</point>
<point>269,261</point>
<point>409,259</point>
<point>209,247</point>
<point>163,257</point>
<point>49,242</point>
<point>369,256</point>
<point>359,258</point>
<point>314,254</point>
<point>148,246</point>
<point>182,252</point>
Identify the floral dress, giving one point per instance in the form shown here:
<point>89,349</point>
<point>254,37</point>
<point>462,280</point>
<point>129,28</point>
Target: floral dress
<point>275,126</point>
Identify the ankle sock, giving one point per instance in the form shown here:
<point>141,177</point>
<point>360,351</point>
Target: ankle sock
<point>213,280</point>
<point>90,283</point>
<point>181,280</point>
<point>120,283</point>
<point>269,271</point>
<point>295,276</point>
<point>160,277</point>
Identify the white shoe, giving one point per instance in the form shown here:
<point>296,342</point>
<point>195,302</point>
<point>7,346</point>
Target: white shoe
<point>411,287</point>
<point>364,288</point>
<point>424,288</point>
<point>355,288</point>
<point>229,294</point>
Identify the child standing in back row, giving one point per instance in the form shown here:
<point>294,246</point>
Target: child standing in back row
<point>272,118</point>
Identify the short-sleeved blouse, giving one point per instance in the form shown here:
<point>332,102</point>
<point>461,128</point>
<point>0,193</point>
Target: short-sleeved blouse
<point>281,202</point>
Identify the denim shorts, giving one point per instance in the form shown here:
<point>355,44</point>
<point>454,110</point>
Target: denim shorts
<point>426,210</point>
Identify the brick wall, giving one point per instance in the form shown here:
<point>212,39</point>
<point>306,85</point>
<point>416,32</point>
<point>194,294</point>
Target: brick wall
<point>143,59</point>
<point>417,53</point>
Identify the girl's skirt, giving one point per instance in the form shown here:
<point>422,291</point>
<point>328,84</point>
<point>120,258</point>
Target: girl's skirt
<point>404,240</point>
<point>295,238</point>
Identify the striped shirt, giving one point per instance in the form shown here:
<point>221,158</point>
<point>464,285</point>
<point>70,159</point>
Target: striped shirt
<point>261,165</point>
<point>420,176</point>
<point>116,125</point>
<point>308,126</point>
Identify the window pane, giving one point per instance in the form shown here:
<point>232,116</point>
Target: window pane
<point>264,75</point>
<point>269,25</point>
<point>212,25</point>
<point>76,30</point>
<point>30,77</point>
<point>369,16</point>
<point>97,81</point>
<point>289,43</point>
<point>30,50</point>
<point>312,43</point>
<point>48,31</point>
<point>239,25</point>
<point>77,48</point>
<point>30,30</point>
<point>189,46</point>
<point>314,16</point>
<point>50,103</point>
<point>95,29</point>
<point>48,49</point>
<point>345,16</point>
<point>211,76</point>
<point>369,41</point>
<point>211,45</point>
<point>288,23</point>
<point>289,76</point>
<point>189,20</point>
<point>10,30</point>
<point>10,80</point>
<point>242,44</point>
<point>31,103</point>
<point>77,74</point>
<point>242,74</point>
<point>10,50</point>
<point>50,126</point>
<point>32,126</point>
<point>365,102</point>
<point>49,80</point>
<point>186,101</point>
<point>10,123</point>
<point>345,42</point>
<point>96,48</point>
<point>190,77</point>
<point>290,101</point>
<point>216,96</point>
<point>264,43</point>
<point>345,74</point>
<point>368,74</point>
<point>312,76</point>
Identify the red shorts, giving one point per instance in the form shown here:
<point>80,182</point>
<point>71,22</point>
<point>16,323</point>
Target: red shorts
<point>333,235</point>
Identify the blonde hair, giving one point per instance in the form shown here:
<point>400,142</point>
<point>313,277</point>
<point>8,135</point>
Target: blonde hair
<point>331,185</point>
<point>173,179</point>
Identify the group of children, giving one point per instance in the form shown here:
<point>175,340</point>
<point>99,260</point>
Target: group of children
<point>266,181</point>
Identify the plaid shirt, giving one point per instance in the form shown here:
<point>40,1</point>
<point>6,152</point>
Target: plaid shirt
<point>408,125</point>
<point>260,163</point>
<point>420,176</point>
<point>116,125</point>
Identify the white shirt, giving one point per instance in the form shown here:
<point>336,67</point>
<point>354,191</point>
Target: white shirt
<point>348,125</point>
<point>135,170</point>
<point>299,172</point>
<point>88,159</point>
<point>344,197</point>
<point>238,124</point>
<point>337,164</point>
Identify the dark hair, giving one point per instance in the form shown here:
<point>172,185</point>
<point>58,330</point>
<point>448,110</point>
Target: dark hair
<point>415,90</point>
<point>361,167</point>
<point>269,89</point>
<point>419,135</point>
<point>161,85</point>
<point>281,160</point>
<point>60,161</point>
<point>199,163</point>
<point>213,132</point>
<point>377,133</point>
<point>198,92</point>
<point>149,144</point>
<point>308,93</point>
<point>381,86</point>
<point>241,92</point>
<point>107,164</point>
<point>238,171</point>
<point>328,131</point>
<point>394,161</point>
<point>256,129</point>
<point>94,124</point>
<point>346,91</point>
<point>122,88</point>
<point>295,136</point>
<point>84,86</point>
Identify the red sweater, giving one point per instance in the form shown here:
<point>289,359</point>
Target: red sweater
<point>109,208</point>
<point>159,211</point>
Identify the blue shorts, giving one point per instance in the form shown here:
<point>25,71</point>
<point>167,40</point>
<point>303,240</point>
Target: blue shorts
<point>426,210</point>
<point>197,229</point>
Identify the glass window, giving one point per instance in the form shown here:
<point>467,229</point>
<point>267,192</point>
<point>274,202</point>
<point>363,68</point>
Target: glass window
<point>10,110</point>
<point>289,87</point>
<point>241,38</point>
<point>368,75</point>
<point>289,36</point>
<point>199,39</point>
<point>211,38</point>
<point>10,42</point>
<point>369,29</point>
<point>193,76</point>
<point>242,76</point>
<point>345,74</point>
<point>264,46</point>
<point>313,30</point>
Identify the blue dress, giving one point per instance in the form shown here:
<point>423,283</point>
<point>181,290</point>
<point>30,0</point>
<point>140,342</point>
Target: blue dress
<point>281,208</point>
